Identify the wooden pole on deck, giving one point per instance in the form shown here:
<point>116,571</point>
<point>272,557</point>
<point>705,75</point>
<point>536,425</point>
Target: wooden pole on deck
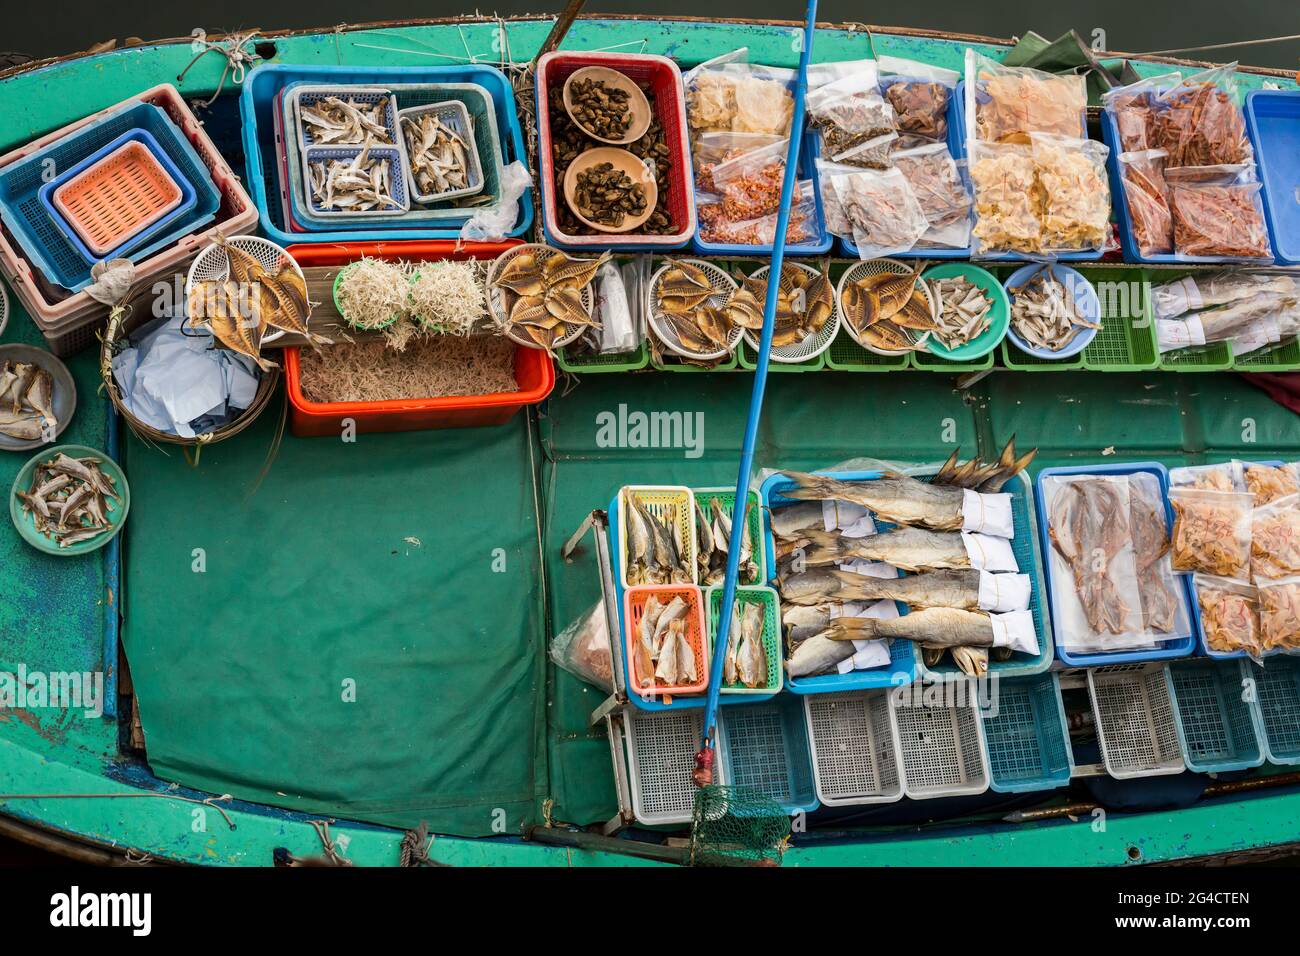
<point>565,20</point>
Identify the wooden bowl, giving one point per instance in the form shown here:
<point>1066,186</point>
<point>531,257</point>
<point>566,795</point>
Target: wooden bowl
<point>637,103</point>
<point>624,161</point>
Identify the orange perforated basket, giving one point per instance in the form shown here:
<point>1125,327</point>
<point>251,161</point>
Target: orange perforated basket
<point>634,601</point>
<point>121,195</point>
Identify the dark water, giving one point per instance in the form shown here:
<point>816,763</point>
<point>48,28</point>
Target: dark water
<point>1130,25</point>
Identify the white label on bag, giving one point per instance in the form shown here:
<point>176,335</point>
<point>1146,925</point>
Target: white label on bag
<point>1004,592</point>
<point>1177,298</point>
<point>989,553</point>
<point>988,514</point>
<point>1016,631</point>
<point>1179,333</point>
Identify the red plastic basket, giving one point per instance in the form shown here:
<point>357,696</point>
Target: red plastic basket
<point>534,368</point>
<point>665,82</point>
<point>634,601</point>
<point>118,197</point>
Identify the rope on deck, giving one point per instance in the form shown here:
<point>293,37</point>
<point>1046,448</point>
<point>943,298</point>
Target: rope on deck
<point>237,58</point>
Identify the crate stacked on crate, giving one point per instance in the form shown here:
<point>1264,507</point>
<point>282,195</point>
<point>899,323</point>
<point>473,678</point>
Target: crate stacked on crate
<point>139,180</point>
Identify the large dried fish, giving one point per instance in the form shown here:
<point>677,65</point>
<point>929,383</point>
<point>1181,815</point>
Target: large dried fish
<point>542,293</point>
<point>26,401</point>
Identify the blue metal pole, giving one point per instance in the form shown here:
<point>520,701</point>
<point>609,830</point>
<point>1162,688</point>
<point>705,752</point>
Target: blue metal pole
<point>704,759</point>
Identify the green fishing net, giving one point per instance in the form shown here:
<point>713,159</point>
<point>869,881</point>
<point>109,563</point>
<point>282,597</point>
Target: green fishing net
<point>737,826</point>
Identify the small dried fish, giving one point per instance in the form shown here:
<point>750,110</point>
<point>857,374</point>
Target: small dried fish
<point>337,122</point>
<point>1045,312</point>
<point>26,401</point>
<point>961,310</point>
<point>70,499</point>
<point>357,185</point>
<point>437,154</point>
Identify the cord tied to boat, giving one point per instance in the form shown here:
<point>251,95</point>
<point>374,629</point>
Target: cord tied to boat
<point>238,59</point>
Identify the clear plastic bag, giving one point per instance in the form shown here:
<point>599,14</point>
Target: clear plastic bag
<point>919,94</point>
<point>1212,532</point>
<point>492,223</point>
<point>717,226</point>
<point>1217,216</point>
<point>1225,476</point>
<point>1006,103</point>
<point>750,184</point>
<point>1268,483</point>
<point>1006,210</point>
<point>1148,201</point>
<point>617,330</point>
<point>873,154</point>
<point>881,209</point>
<point>1133,108</point>
<point>583,648</point>
<point>849,112</point>
<point>1163,611</point>
<point>713,148</point>
<point>1229,615</point>
<point>728,93</point>
<point>1279,614</point>
<point>1275,540</point>
<point>1199,122</point>
<point>824,74</point>
<point>1222,288</point>
<point>1075,193</point>
<point>837,222</point>
<point>938,186</point>
<point>636,273</point>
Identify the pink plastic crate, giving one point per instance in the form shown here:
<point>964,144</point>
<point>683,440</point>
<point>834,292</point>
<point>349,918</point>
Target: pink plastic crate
<point>665,82</point>
<point>69,324</point>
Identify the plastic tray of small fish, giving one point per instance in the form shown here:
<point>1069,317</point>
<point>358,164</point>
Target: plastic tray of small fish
<point>370,181</point>
<point>940,747</point>
<point>1219,729</point>
<point>852,741</point>
<point>344,115</point>
<point>1133,710</point>
<point>763,669</point>
<point>666,644</point>
<point>451,148</point>
<point>669,511</point>
<point>764,747</point>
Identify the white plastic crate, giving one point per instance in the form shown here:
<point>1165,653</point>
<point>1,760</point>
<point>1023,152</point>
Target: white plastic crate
<point>851,736</point>
<point>941,748</point>
<point>1134,716</point>
<point>661,748</point>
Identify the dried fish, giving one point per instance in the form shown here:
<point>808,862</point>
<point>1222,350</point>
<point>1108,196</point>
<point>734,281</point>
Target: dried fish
<point>334,121</point>
<point>656,552</point>
<point>26,401</point>
<point>437,154</point>
<point>541,294</point>
<point>717,537</point>
<point>871,307</point>
<point>1045,311</point>
<point>360,184</point>
<point>70,499</point>
<point>961,310</point>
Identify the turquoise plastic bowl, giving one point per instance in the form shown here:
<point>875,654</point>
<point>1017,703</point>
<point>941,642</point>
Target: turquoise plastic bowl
<point>1085,296</point>
<point>26,524</point>
<point>990,338</point>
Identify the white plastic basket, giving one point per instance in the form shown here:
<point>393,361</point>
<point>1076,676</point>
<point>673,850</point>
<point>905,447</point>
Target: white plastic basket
<point>723,286</point>
<point>213,265</point>
<point>854,754</point>
<point>498,297</point>
<point>1134,716</point>
<point>661,748</point>
<point>453,114</point>
<point>871,267</point>
<point>941,748</point>
<point>812,345</point>
<point>656,498</point>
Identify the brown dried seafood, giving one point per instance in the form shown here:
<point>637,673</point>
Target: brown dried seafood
<point>887,310</point>
<point>804,303</point>
<point>690,309</point>
<point>1088,528</point>
<point>1212,532</point>
<point>70,499</point>
<point>542,293</point>
<point>608,196</point>
<point>437,154</point>
<point>26,401</point>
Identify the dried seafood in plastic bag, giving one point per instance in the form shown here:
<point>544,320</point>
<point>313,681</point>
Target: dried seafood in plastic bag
<point>1217,218</point>
<point>849,112</point>
<point>1224,476</point>
<point>1229,615</point>
<point>1222,288</point>
<point>583,648</point>
<point>1212,532</point>
<point>875,153</point>
<point>1279,615</point>
<point>938,186</point>
<point>750,184</point>
<point>1133,109</point>
<point>920,108</point>
<point>1275,539</point>
<point>1268,483</point>
<point>1162,611</point>
<point>1006,210</point>
<point>713,148</point>
<point>1012,102</point>
<point>729,94</point>
<point>1148,202</point>
<point>1074,192</point>
<point>882,210</point>
<point>1199,123</point>
<point>717,226</point>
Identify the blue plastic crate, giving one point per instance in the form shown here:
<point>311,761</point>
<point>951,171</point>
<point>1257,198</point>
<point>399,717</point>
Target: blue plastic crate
<point>656,703</point>
<point>263,85</point>
<point>903,667</point>
<point>44,242</point>
<point>961,152</point>
<point>189,197</point>
<point>765,747</point>
<point>1027,736</point>
<point>1119,200</point>
<point>1273,124</point>
<point>850,248</point>
<point>1179,645</point>
<point>396,174</point>
<point>1218,729</point>
<point>822,245</point>
<point>1277,687</point>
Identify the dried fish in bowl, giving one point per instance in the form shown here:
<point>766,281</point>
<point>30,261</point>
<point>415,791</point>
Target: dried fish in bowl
<point>805,302</point>
<point>334,121</point>
<point>962,310</point>
<point>71,499</point>
<point>26,401</point>
<point>538,293</point>
<point>1045,311</point>
<point>1212,532</point>
<point>438,156</point>
<point>361,184</point>
<point>888,311</point>
<point>697,316</point>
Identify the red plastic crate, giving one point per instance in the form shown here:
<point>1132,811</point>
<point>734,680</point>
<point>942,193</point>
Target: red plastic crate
<point>665,82</point>
<point>534,368</point>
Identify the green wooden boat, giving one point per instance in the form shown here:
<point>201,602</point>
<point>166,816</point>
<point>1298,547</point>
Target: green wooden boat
<point>353,642</point>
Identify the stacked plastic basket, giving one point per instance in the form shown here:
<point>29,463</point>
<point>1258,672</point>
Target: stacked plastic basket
<point>140,180</point>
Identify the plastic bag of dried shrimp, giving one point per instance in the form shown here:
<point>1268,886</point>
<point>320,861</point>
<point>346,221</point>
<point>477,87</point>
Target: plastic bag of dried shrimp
<point>1006,206</point>
<point>729,93</point>
<point>919,94</point>
<point>1074,193</point>
<point>939,188</point>
<point>1270,482</point>
<point>1229,615</point>
<point>718,227</point>
<point>750,184</point>
<point>1223,476</point>
<point>881,209</point>
<point>1007,103</point>
<point>849,112</point>
<point>716,147</point>
<point>1199,121</point>
<point>1217,213</point>
<point>1147,197</point>
<point>1275,540</point>
<point>1212,532</point>
<point>1133,109</point>
<point>837,223</point>
<point>1279,614</point>
<point>583,648</point>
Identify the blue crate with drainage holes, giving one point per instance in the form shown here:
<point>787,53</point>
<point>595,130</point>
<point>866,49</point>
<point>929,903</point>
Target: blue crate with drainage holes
<point>1026,735</point>
<point>902,668</point>
<point>1218,727</point>
<point>45,244</point>
<point>1178,645</point>
<point>1273,123</point>
<point>1277,697</point>
<point>765,747</point>
<point>655,703</point>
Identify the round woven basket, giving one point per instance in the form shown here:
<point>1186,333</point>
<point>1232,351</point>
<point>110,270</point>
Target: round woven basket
<point>122,321</point>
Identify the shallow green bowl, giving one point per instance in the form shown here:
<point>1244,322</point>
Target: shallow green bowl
<point>990,338</point>
<point>26,524</point>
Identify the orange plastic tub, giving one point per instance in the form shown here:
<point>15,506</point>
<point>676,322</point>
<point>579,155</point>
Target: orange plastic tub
<point>635,599</point>
<point>534,368</point>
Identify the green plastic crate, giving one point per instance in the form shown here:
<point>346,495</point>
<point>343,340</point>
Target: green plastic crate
<point>1202,358</point>
<point>1020,361</point>
<point>757,533</point>
<point>671,363</point>
<point>593,363</point>
<point>748,359</point>
<point>771,634</point>
<point>1127,339</point>
<point>1281,358</point>
<point>846,355</point>
<point>925,362</point>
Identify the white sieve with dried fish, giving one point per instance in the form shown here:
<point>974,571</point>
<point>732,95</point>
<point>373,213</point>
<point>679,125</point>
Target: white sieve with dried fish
<point>542,297</point>
<point>697,311</point>
<point>368,180</point>
<point>1046,313</point>
<point>441,154</point>
<point>962,310</point>
<point>806,319</point>
<point>345,117</point>
<point>886,306</point>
